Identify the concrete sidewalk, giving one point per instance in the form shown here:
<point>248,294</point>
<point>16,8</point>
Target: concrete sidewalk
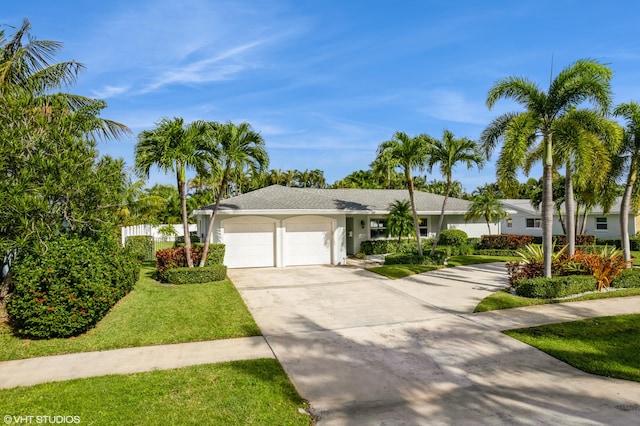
<point>31,371</point>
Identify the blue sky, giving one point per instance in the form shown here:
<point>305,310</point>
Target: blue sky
<point>325,81</point>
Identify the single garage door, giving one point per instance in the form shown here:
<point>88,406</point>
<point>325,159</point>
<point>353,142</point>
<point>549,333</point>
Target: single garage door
<point>307,242</point>
<point>249,245</point>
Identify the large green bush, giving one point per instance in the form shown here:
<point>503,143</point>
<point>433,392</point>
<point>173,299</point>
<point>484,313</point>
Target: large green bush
<point>453,237</point>
<point>549,288</point>
<point>66,289</point>
<point>629,278</point>
<point>196,275</point>
<point>140,246</point>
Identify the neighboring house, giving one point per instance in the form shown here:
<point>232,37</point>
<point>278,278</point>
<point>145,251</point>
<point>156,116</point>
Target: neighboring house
<point>528,221</point>
<point>284,226</point>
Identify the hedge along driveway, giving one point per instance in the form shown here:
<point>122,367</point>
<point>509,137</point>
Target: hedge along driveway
<point>151,314</point>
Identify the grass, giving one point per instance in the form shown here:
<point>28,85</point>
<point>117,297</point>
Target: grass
<point>505,300</point>
<point>151,314</point>
<point>635,258</point>
<point>255,392</point>
<point>400,271</point>
<point>607,346</point>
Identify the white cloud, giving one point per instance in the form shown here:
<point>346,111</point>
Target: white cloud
<point>109,91</point>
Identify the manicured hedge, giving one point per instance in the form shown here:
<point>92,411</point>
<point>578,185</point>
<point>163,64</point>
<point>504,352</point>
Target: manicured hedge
<point>408,245</point>
<point>140,246</point>
<point>453,237</point>
<point>581,240</point>
<point>549,288</point>
<point>629,278</point>
<point>67,289</point>
<point>176,258</point>
<point>196,275</point>
<point>179,241</point>
<point>505,242</point>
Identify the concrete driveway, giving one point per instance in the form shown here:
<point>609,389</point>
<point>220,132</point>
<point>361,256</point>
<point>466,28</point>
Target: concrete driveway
<point>365,350</point>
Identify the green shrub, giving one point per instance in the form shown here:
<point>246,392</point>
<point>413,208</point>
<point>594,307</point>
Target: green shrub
<point>196,275</point>
<point>408,259</point>
<point>581,240</point>
<point>474,242</point>
<point>611,242</point>
<point>629,278</point>
<point>179,241</point>
<point>634,243</point>
<point>140,246</point>
<point>67,289</point>
<point>505,242</point>
<point>176,258</point>
<point>370,247</point>
<point>549,288</point>
<point>453,237</point>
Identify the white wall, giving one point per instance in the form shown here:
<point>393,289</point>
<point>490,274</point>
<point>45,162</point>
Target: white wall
<point>154,231</point>
<point>612,231</point>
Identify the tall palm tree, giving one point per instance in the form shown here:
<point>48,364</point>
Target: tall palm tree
<point>584,80</point>
<point>173,147</point>
<point>399,220</point>
<point>238,147</point>
<point>448,152</point>
<point>629,156</point>
<point>408,153</point>
<point>27,75</point>
<point>486,206</point>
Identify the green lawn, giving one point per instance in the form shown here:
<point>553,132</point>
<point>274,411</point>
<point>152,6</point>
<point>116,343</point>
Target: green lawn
<point>254,392</point>
<point>151,314</point>
<point>506,300</point>
<point>608,346</point>
<point>400,271</point>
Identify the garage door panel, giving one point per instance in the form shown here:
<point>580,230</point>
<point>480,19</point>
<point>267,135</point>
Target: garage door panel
<point>308,243</point>
<point>249,245</point>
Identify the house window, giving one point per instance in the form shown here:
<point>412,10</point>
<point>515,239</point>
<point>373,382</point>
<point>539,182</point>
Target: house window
<point>534,223</point>
<point>601,223</point>
<point>509,223</point>
<point>378,228</point>
<point>424,231</point>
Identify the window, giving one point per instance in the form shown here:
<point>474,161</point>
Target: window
<point>534,223</point>
<point>601,223</point>
<point>424,231</point>
<point>378,228</point>
<point>509,223</point>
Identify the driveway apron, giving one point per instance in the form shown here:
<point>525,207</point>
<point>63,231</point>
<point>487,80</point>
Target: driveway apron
<point>366,350</point>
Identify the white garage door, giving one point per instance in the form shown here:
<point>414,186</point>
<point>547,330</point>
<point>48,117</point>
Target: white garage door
<point>307,243</point>
<point>249,244</point>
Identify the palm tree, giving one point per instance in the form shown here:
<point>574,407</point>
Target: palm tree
<point>408,153</point>
<point>399,220</point>
<point>238,147</point>
<point>448,153</point>
<point>486,206</point>
<point>522,132</point>
<point>629,156</point>
<point>174,147</point>
<point>27,76</point>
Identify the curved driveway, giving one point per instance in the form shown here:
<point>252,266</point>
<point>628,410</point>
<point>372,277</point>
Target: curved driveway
<point>365,350</point>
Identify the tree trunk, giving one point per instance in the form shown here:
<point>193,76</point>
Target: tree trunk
<point>488,226</point>
<point>570,230</point>
<point>185,219</point>
<point>625,206</point>
<point>547,207</point>
<point>212,217</point>
<point>416,223</point>
<point>561,219</point>
<point>441,220</point>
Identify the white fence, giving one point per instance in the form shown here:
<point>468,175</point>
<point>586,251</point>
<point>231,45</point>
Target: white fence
<point>154,231</point>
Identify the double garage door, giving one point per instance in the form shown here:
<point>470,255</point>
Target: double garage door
<point>254,242</point>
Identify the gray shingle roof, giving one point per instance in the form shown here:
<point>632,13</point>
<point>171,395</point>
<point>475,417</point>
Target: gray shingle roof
<point>312,200</point>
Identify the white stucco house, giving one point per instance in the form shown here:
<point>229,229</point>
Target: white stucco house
<point>525,220</point>
<point>283,226</point>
